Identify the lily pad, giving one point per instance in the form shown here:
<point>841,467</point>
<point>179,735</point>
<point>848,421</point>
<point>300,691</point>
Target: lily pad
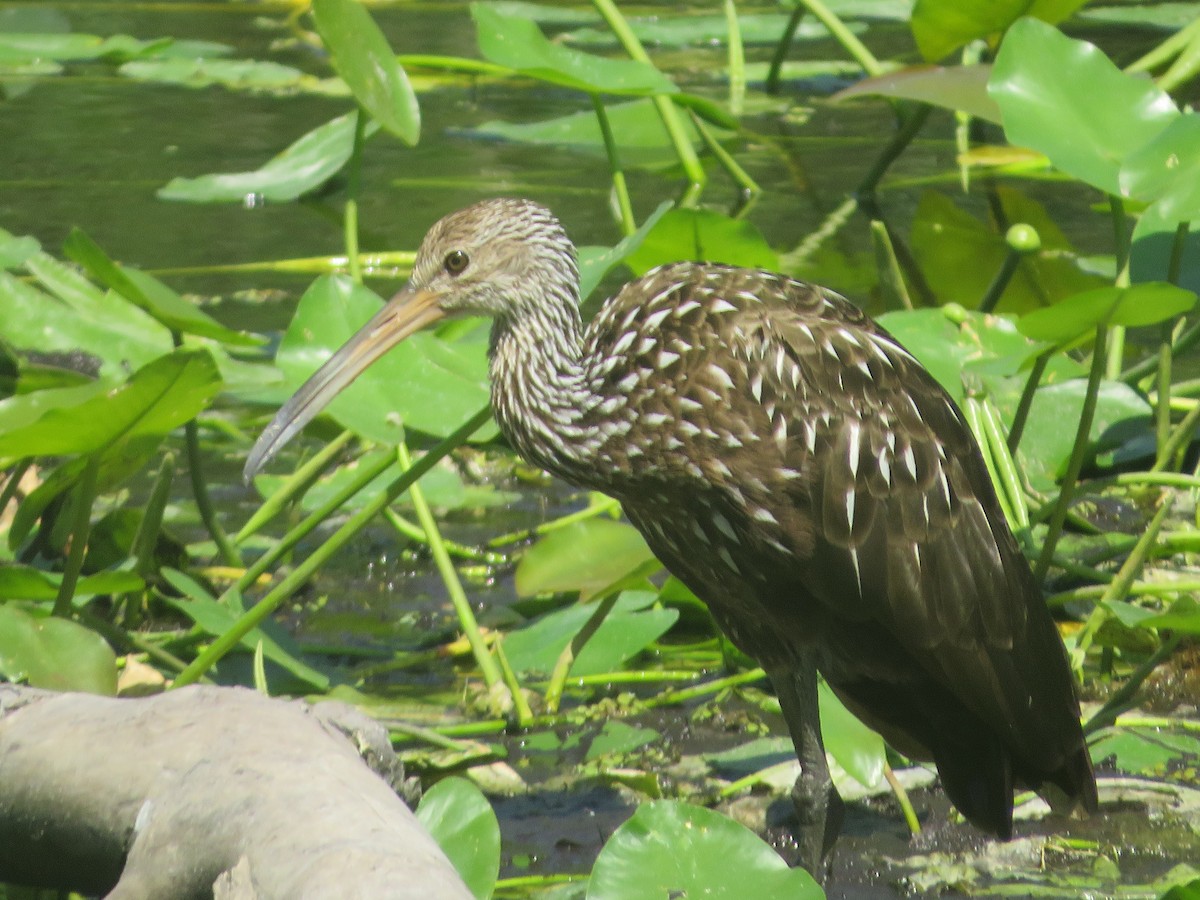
<point>425,383</point>
<point>461,820</point>
<point>53,653</point>
<point>1075,317</point>
<point>942,26</point>
<point>586,556</point>
<point>672,849</point>
<point>704,236</point>
<point>1066,99</point>
<point>632,625</point>
<point>307,164</point>
<point>1166,171</point>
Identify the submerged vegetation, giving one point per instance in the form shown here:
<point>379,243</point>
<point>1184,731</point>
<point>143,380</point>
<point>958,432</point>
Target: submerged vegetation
<point>1068,341</point>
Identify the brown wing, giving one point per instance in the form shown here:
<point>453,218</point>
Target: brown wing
<point>908,535</point>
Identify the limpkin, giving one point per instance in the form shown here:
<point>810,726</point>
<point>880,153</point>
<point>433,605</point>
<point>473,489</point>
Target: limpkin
<point>797,468</point>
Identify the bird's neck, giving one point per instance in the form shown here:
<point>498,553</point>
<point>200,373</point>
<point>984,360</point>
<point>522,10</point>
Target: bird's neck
<point>541,391</point>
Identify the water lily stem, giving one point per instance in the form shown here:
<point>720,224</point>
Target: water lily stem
<point>458,597</point>
<point>255,616</point>
<point>628,224</point>
<point>667,109</point>
<point>781,48</point>
<point>902,798</point>
<point>1078,452</point>
<point>81,525</point>
<point>566,659</point>
<point>208,514</point>
<point>296,484</point>
<point>351,214</point>
<point>1021,416</point>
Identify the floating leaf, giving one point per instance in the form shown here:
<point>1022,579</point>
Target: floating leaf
<point>518,44</point>
<point>1075,317</point>
<point>235,74</point>
<point>617,737</point>
<point>962,88</point>
<point>461,820</point>
<point>304,166</point>
<point>18,582</point>
<point>586,556</point>
<point>631,626</point>
<point>942,26</point>
<point>1144,751</point>
<point>53,653</point>
<point>426,383</point>
<point>671,849</point>
<point>1066,99</point>
<point>362,56</point>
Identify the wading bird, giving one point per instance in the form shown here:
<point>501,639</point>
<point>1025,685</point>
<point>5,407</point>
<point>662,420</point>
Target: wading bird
<point>792,464</point>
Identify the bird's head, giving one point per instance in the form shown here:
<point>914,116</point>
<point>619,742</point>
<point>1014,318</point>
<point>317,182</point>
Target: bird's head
<point>506,259</point>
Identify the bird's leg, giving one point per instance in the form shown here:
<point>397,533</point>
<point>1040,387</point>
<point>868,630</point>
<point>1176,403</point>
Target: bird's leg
<point>818,804</point>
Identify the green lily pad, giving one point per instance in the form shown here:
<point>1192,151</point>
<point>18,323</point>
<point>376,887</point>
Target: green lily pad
<point>362,56</point>
<point>255,76</point>
<point>672,849</point>
<point>307,164</point>
<point>596,262</point>
<point>1166,171</point>
<point>425,383</point>
<point>18,582</point>
<point>1066,99</point>
<point>586,556</point>
<point>631,626</point>
<point>962,88</point>
<point>53,653</point>
<point>704,236</point>
<point>942,26</point>
<point>644,139</point>
<point>516,42</point>
<point>1075,317</point>
<point>1144,751</point>
<point>461,820</point>
<point>617,737</point>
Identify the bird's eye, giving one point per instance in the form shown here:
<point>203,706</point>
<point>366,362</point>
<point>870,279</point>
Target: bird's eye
<point>456,261</point>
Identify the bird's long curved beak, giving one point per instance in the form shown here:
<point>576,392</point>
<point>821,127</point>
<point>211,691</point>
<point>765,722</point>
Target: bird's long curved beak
<point>409,311</point>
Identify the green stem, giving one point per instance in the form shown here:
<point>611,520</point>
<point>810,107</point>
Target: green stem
<point>208,514</point>
<point>413,532</point>
<point>1180,438</point>
<point>1186,341</point>
<point>296,484</point>
<point>1162,403</point>
<point>441,559</point>
<point>887,265</point>
<point>520,704</point>
<point>354,173</point>
<point>906,807</point>
<point>782,48</point>
<point>737,60</point>
<point>1006,466</point>
<point>845,37</point>
<point>748,185</point>
<point>606,506</point>
<point>254,617</point>
<point>666,108</point>
<point>903,136</point>
<point>562,668</point>
<point>972,412</point>
<point>146,538</point>
<point>1008,268</point>
<point>628,224</point>
<point>1078,451</point>
<point>363,477</point>
<point>1123,697</point>
<point>1121,237</point>
<point>685,695</point>
<point>1021,416</point>
<point>81,525</point>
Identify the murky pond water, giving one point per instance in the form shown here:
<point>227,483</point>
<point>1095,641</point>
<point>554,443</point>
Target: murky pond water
<point>90,150</point>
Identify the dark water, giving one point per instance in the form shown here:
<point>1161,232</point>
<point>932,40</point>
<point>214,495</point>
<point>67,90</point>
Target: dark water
<point>89,149</point>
